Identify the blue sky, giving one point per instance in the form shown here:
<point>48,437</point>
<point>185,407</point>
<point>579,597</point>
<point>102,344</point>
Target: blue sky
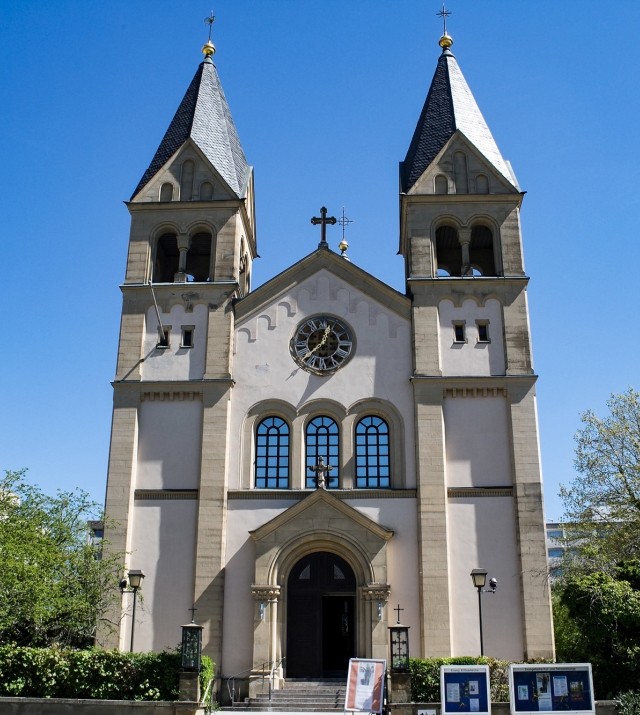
<point>325,96</point>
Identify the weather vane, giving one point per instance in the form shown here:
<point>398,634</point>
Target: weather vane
<point>344,221</point>
<point>444,14</point>
<point>210,20</point>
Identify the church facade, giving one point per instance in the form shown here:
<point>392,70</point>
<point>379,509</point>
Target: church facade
<point>298,459</point>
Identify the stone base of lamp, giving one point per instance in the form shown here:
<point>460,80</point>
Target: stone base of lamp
<point>399,687</point>
<point>189,687</point>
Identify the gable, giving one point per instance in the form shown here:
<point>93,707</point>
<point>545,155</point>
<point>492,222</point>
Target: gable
<point>476,164</point>
<point>171,173</point>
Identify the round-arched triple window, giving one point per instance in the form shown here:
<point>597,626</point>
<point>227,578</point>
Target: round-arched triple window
<point>272,454</point>
<point>372,453</point>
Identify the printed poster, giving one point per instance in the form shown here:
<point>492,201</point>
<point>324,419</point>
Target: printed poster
<point>523,692</point>
<point>474,705</point>
<point>474,687</point>
<point>560,688</point>
<point>365,685</point>
<point>543,687</point>
<point>453,692</point>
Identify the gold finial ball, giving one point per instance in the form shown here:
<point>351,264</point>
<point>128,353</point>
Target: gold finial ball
<point>208,50</point>
<point>445,41</point>
<point>343,245</point>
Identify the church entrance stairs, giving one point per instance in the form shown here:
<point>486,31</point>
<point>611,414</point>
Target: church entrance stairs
<point>303,695</point>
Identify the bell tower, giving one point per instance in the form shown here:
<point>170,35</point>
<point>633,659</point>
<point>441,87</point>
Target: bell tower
<point>191,247</point>
<point>474,384</point>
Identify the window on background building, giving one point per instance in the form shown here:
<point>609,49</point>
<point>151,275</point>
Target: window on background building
<point>554,534</point>
<point>322,440</point>
<point>372,453</point>
<point>555,553</point>
<point>272,454</point>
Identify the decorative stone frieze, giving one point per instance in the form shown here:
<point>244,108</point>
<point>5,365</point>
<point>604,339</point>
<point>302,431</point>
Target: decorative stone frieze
<point>265,593</point>
<point>171,395</point>
<point>475,392</point>
<point>375,592</point>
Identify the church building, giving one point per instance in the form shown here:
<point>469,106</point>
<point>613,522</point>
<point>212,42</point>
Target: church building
<point>298,459</point>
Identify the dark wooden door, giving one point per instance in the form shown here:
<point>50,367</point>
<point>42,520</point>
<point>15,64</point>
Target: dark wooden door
<point>320,616</point>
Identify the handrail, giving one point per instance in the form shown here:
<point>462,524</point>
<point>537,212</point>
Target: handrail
<point>273,667</point>
<point>232,690</point>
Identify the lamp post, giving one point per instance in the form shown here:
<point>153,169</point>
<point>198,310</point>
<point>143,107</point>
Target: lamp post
<point>479,577</point>
<point>399,645</point>
<point>191,660</point>
<point>135,581</point>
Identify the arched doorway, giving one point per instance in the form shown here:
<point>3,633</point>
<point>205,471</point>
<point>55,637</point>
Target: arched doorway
<point>321,591</point>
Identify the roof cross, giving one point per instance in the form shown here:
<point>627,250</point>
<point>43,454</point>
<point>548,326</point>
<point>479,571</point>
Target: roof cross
<point>444,14</point>
<point>193,610</point>
<point>323,221</point>
<point>344,221</point>
<point>209,21</point>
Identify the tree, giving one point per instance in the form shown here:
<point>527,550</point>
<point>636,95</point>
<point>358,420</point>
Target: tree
<point>602,506</point>
<point>54,585</point>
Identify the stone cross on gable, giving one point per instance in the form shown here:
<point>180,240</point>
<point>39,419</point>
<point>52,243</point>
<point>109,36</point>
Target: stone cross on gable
<point>321,469</point>
<point>323,221</point>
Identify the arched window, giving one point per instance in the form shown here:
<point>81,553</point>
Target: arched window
<point>482,184</point>
<point>199,258</point>
<point>167,257</point>
<point>481,251</point>
<point>272,454</point>
<point>166,192</point>
<point>186,180</point>
<point>322,440</point>
<point>441,184</point>
<point>372,453</point>
<point>448,251</point>
<point>206,191</point>
<point>460,172</point>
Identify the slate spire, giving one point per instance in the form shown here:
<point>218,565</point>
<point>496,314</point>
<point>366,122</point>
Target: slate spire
<point>449,106</point>
<point>204,116</point>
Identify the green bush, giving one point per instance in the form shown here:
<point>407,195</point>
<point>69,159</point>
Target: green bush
<point>425,677</point>
<point>629,703</point>
<point>94,673</point>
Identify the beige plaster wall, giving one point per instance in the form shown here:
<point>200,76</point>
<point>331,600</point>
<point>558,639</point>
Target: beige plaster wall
<point>175,362</point>
<point>170,435</point>
<point>472,357</point>
<point>477,431</point>
<point>381,366</point>
<point>482,534</point>
<point>163,546</point>
<point>246,515</point>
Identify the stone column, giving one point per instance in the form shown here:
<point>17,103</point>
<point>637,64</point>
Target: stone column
<point>265,635</point>
<point>184,244</point>
<point>464,237</point>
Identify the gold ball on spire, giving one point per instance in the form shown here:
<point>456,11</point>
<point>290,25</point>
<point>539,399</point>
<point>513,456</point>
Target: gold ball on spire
<point>445,41</point>
<point>208,50</point>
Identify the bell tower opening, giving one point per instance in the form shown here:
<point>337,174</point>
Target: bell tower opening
<point>321,592</point>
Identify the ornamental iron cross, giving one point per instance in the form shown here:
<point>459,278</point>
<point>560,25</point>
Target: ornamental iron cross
<point>209,21</point>
<point>321,469</point>
<point>323,221</point>
<point>398,609</point>
<point>444,14</point>
<point>344,221</point>
<point>193,610</point>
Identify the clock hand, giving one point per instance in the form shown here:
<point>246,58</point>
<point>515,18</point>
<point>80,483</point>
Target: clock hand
<point>320,344</point>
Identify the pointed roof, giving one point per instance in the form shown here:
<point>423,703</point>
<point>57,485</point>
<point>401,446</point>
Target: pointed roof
<point>450,106</point>
<point>204,116</point>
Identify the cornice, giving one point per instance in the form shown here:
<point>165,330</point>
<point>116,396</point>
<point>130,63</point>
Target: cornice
<point>463,198</point>
<point>468,280</point>
<point>298,494</point>
<point>177,287</point>
<point>182,205</point>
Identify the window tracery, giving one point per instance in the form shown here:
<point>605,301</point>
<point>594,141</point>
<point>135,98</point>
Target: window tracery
<point>272,454</point>
<point>372,453</point>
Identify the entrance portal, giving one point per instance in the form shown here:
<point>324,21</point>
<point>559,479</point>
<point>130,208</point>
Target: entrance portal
<point>320,617</point>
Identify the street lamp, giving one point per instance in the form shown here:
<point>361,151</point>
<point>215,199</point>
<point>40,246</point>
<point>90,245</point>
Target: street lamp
<point>135,581</point>
<point>399,645</point>
<point>191,647</point>
<point>479,577</point>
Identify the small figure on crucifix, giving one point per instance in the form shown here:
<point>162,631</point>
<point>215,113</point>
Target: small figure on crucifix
<point>323,221</point>
<point>321,469</point>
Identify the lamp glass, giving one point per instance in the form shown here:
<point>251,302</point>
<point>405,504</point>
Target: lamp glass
<point>191,647</point>
<point>135,578</point>
<point>399,649</point>
<point>479,577</point>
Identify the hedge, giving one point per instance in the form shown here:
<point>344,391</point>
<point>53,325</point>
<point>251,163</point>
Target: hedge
<point>94,673</point>
<point>425,676</point>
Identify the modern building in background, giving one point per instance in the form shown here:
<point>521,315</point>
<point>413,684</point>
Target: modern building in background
<point>299,458</point>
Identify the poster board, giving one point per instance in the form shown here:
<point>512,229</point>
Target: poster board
<point>551,687</point>
<point>365,685</point>
<point>465,689</point>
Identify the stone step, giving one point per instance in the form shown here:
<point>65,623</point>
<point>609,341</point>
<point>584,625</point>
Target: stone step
<point>303,701</point>
<point>247,707</point>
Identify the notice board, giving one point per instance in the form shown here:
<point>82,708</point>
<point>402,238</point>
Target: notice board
<point>365,685</point>
<point>552,687</point>
<point>465,689</point>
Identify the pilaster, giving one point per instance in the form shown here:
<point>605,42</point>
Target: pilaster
<point>435,617</point>
<point>212,513</point>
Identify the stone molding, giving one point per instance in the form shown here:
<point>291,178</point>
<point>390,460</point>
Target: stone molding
<point>267,592</point>
<point>297,494</point>
<point>461,492</point>
<point>170,395</point>
<point>475,391</point>
<point>165,494</point>
<point>375,592</point>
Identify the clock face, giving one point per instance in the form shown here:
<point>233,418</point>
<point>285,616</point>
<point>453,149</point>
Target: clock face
<point>322,344</point>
